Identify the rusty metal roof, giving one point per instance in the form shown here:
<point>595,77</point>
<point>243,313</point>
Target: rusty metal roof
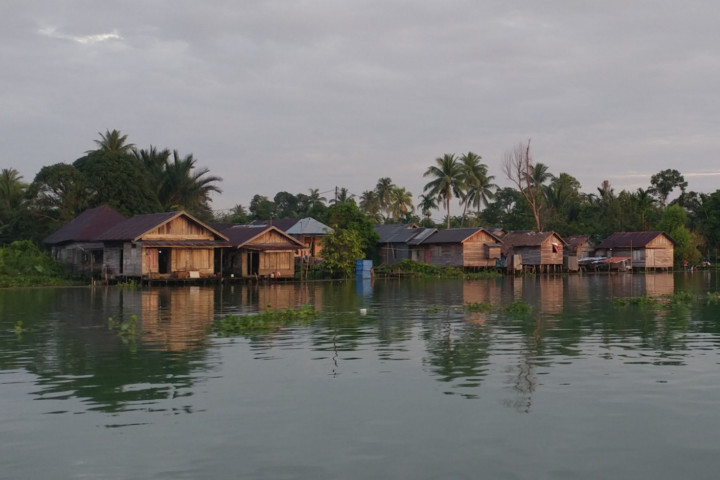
<point>87,226</point>
<point>631,239</point>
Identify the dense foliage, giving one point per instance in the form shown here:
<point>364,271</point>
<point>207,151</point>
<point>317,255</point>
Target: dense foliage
<point>151,180</point>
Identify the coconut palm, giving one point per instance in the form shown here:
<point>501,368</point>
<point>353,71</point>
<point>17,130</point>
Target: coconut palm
<point>447,181</point>
<point>384,189</point>
<point>426,204</point>
<point>479,189</point>
<point>112,142</point>
<point>370,205</point>
<point>400,203</point>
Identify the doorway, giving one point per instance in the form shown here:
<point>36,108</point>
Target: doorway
<point>164,260</point>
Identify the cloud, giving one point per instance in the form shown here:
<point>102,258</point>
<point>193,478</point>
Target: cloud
<point>84,40</point>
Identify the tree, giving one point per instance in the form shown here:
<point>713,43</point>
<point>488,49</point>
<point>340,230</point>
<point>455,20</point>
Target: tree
<point>341,250</point>
<point>447,181</point>
<point>188,189</point>
<point>673,222</point>
<point>521,171</point>
<point>370,205</point>
<point>401,205</point>
<point>119,180</point>
<point>12,194</point>
<point>261,208</point>
<point>478,186</point>
<point>155,163</point>
<point>383,190</point>
<point>112,142</point>
<point>664,182</point>
<point>286,205</point>
<point>13,203</point>
<point>60,193</point>
<point>237,214</point>
<point>348,216</point>
<point>426,205</point>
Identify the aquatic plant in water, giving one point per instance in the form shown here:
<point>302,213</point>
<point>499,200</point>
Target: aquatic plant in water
<point>478,307</point>
<point>518,307</point>
<point>267,321</point>
<point>123,328</point>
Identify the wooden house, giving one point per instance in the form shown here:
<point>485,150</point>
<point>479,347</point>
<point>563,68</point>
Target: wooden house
<point>578,247</point>
<point>162,245</point>
<point>75,244</point>
<point>648,250</point>
<point>307,230</point>
<point>539,251</point>
<point>461,247</point>
<point>260,251</point>
<point>397,241</point>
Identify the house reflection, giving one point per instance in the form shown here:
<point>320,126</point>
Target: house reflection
<point>275,296</point>
<point>177,319</point>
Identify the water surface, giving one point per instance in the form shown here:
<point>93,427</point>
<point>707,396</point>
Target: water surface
<point>419,387</point>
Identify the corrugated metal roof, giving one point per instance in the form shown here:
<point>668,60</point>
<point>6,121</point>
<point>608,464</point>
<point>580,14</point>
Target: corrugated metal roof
<point>455,235</point>
<point>87,226</point>
<point>528,238</point>
<point>631,239</point>
<point>395,233</point>
<point>421,235</point>
<point>135,227</point>
<point>186,243</point>
<point>242,235</point>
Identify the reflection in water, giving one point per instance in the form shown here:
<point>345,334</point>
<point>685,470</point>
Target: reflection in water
<point>68,346</point>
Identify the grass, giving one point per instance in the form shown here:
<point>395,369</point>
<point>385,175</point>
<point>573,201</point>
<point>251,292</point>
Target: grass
<point>663,301</point>
<point>265,322</point>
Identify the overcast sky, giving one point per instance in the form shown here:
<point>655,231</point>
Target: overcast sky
<point>283,95</point>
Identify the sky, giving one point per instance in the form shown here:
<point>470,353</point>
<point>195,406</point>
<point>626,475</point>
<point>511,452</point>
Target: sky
<point>293,95</point>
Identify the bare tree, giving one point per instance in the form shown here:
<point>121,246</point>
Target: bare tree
<point>519,168</point>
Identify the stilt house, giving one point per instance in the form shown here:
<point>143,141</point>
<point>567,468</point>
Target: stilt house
<point>540,251</point>
<point>461,247</point>
<point>162,245</point>
<point>648,250</point>
<point>260,251</point>
<point>75,244</point>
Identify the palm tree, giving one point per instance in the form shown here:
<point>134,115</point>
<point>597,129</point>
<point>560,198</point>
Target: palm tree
<point>539,175</point>
<point>113,142</point>
<point>12,193</point>
<point>315,199</point>
<point>185,189</point>
<point>426,204</point>
<point>370,205</point>
<point>155,162</point>
<point>384,190</point>
<point>447,181</point>
<point>479,188</point>
<point>400,203</point>
<point>645,203</point>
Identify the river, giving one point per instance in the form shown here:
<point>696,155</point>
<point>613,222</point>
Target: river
<point>411,378</point>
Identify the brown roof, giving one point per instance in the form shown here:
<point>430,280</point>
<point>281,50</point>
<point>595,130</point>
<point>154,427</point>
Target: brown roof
<point>456,235</point>
<point>528,238</point>
<point>135,227</point>
<point>87,226</point>
<point>242,236</point>
<point>631,239</point>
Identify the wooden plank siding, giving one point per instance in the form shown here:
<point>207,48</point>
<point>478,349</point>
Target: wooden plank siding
<point>479,249</point>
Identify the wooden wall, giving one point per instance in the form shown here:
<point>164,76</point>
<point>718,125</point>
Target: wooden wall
<point>179,228</point>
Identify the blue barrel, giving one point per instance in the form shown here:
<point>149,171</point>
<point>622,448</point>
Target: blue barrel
<point>363,268</point>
